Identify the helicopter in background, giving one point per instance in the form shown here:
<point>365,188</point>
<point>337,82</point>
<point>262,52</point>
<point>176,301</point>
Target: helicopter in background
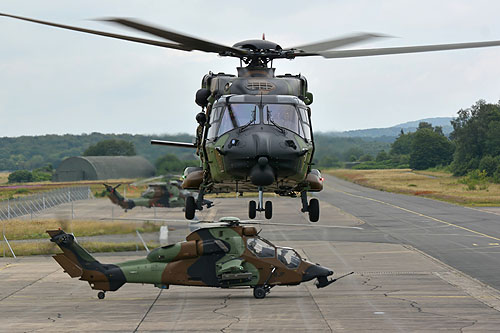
<point>168,193</point>
<point>161,194</point>
<point>255,129</point>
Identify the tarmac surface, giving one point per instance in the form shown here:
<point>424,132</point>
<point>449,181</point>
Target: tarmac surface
<point>400,282</point>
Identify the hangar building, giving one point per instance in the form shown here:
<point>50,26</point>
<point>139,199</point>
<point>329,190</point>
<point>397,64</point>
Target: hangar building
<point>103,167</point>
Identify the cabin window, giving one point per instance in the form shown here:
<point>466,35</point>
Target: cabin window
<point>238,115</point>
<point>282,115</point>
<point>260,248</point>
<point>288,257</point>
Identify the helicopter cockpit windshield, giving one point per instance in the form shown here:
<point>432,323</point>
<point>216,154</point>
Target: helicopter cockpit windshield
<point>238,115</point>
<point>282,116</point>
<point>288,257</point>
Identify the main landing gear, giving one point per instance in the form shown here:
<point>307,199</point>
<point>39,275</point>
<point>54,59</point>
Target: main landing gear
<point>267,208</point>
<point>101,295</point>
<point>312,208</point>
<point>193,204</point>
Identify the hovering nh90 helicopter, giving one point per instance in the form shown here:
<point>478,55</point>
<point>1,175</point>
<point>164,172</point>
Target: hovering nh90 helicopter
<point>223,255</point>
<point>255,131</point>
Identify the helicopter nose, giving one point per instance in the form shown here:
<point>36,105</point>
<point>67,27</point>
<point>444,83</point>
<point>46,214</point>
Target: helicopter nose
<point>316,271</point>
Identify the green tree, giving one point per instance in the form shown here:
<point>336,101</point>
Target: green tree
<point>366,158</point>
<point>329,161</point>
<point>169,163</point>
<point>353,154</point>
<point>20,176</point>
<point>111,147</point>
<point>382,156</point>
<point>402,145</point>
<point>476,133</point>
<point>429,149</point>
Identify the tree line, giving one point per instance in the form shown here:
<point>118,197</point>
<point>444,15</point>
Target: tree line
<point>32,152</point>
<point>473,148</point>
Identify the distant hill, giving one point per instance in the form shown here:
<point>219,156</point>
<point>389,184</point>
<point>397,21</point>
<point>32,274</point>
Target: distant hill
<point>393,131</point>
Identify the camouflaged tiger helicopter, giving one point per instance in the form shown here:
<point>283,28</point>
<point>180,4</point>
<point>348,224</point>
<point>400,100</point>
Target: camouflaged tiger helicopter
<point>156,195</point>
<point>225,254</point>
<point>255,132</point>
<point>168,193</point>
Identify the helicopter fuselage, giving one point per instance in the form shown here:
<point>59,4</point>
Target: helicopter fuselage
<point>259,141</point>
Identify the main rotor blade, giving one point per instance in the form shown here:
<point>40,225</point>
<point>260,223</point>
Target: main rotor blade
<point>173,144</point>
<point>105,34</point>
<point>406,49</point>
<point>338,42</point>
<point>191,42</point>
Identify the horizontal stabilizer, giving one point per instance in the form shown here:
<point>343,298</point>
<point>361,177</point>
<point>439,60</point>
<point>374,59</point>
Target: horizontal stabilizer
<point>69,266</point>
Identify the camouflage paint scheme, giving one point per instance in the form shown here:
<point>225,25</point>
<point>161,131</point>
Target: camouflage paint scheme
<point>221,256</point>
<point>227,167</point>
<point>164,194</point>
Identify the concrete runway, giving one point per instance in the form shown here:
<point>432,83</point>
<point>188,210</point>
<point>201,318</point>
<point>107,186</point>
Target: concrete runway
<point>467,239</point>
<point>395,286</point>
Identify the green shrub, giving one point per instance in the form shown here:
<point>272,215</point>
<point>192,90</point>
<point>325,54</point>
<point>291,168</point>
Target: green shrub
<point>489,164</point>
<point>366,158</point>
<point>21,176</point>
<point>41,176</point>
<point>475,178</point>
<point>496,176</point>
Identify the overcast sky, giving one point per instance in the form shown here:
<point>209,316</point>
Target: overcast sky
<point>54,81</point>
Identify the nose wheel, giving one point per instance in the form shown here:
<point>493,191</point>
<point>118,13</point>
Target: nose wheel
<point>267,208</point>
<point>312,207</point>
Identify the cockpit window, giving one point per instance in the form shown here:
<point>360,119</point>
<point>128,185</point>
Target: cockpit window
<point>238,115</point>
<point>288,257</point>
<point>282,115</point>
<point>149,191</point>
<point>305,124</point>
<point>260,248</point>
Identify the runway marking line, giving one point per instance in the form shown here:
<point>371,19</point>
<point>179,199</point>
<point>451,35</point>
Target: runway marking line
<point>418,214</point>
<point>8,265</point>
<point>431,296</point>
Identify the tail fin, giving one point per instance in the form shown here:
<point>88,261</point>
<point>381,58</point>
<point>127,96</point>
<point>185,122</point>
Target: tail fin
<point>77,262</point>
<point>117,198</point>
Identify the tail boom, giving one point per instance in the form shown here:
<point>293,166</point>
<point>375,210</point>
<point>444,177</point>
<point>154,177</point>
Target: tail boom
<point>77,262</point>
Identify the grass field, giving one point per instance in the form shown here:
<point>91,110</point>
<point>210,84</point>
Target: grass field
<point>4,177</point>
<point>23,229</point>
<point>436,185</point>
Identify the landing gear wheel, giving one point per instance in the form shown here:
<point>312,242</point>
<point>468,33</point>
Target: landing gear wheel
<point>268,210</point>
<point>252,209</point>
<point>101,295</point>
<point>313,210</point>
<point>190,208</point>
<point>259,292</point>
